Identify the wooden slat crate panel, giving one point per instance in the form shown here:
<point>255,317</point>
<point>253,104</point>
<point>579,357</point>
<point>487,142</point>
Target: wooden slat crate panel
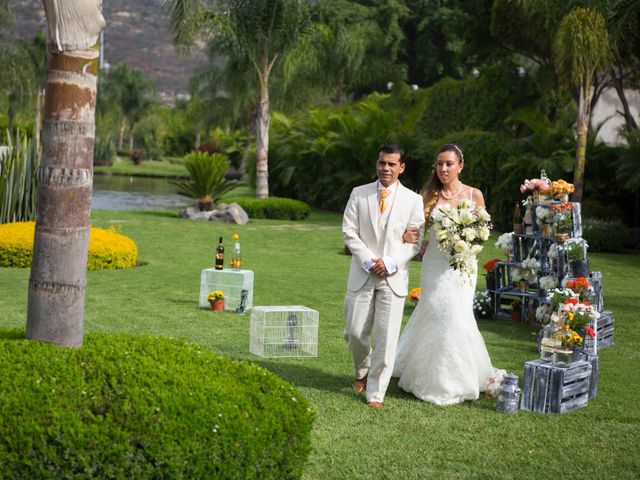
<point>604,332</point>
<point>595,370</point>
<point>549,389</point>
<point>595,279</point>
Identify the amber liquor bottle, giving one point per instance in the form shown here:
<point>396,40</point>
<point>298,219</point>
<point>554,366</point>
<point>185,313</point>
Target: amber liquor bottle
<point>219,265</point>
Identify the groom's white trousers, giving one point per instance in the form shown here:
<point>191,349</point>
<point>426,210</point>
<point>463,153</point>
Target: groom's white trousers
<point>373,309</point>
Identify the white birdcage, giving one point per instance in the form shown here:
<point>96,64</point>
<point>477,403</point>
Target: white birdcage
<point>235,284</point>
<point>284,331</point>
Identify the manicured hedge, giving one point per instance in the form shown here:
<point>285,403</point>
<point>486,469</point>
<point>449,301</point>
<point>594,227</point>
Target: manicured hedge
<point>607,235</point>
<point>108,249</point>
<point>272,207</point>
<point>140,407</point>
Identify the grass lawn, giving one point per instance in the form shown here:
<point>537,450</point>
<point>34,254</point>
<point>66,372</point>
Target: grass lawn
<point>301,263</point>
<point>148,168</point>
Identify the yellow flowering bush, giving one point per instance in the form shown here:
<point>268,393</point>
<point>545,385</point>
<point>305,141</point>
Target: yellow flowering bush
<point>215,295</point>
<point>108,249</point>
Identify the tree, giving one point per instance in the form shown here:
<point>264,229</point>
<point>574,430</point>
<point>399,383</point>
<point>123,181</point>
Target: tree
<point>129,88</point>
<point>55,311</point>
<point>16,80</point>
<point>255,35</point>
<point>581,48</point>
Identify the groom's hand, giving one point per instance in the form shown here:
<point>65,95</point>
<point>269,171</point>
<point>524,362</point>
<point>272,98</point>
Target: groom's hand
<point>379,268</point>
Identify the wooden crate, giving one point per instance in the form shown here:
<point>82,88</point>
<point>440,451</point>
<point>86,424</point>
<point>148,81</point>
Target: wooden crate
<point>595,279</point>
<point>595,368</point>
<point>604,330</point>
<point>550,389</point>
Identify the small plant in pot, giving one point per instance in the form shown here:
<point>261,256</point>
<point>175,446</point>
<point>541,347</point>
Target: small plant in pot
<point>490,276</point>
<point>576,251</point>
<point>216,300</point>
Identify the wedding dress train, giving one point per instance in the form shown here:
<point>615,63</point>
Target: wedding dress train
<point>441,356</point>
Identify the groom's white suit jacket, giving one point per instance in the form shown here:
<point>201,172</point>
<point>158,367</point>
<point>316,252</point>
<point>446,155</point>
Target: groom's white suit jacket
<point>367,239</point>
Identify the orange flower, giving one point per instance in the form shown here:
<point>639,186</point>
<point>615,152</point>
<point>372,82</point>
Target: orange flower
<point>572,300</point>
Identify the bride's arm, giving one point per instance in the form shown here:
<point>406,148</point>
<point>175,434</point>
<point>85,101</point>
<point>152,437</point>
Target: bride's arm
<point>478,198</point>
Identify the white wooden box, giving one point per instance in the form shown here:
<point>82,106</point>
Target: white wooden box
<point>284,331</point>
<point>232,282</point>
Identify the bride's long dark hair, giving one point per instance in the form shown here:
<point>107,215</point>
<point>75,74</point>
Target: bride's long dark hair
<point>433,187</point>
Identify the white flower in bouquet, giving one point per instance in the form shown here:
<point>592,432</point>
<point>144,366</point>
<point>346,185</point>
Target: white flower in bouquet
<point>469,234</point>
<point>518,274</point>
<point>548,282</point>
<point>482,303</point>
<point>544,216</point>
<point>543,313</point>
<point>460,232</point>
<point>504,241</point>
<point>552,253</point>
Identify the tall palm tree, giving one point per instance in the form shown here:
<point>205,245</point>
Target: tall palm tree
<point>256,35</point>
<point>55,311</point>
<point>582,48</point>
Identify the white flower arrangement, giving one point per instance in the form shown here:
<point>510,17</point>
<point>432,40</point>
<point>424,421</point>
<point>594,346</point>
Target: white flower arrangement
<point>531,263</point>
<point>552,253</point>
<point>460,232</point>
<point>544,216</point>
<point>548,282</point>
<point>518,273</point>
<point>505,241</point>
<point>482,303</point>
<point>543,313</point>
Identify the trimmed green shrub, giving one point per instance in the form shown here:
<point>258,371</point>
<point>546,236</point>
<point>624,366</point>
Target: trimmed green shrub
<point>606,235</point>
<point>108,249</point>
<point>126,406</point>
<point>272,207</point>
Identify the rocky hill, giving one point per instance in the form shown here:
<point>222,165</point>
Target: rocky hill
<point>137,33</point>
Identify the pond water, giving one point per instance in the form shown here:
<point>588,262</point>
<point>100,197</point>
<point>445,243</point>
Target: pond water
<point>118,192</point>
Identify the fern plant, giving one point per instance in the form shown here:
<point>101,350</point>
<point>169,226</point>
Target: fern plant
<point>207,182</point>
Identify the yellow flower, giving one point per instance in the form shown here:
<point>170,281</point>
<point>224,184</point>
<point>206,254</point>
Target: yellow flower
<point>215,295</point>
<point>235,236</point>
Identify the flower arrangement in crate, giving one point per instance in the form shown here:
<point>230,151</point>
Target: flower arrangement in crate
<point>526,274</point>
<point>482,304</point>
<point>547,282</point>
<point>460,232</point>
<point>515,309</point>
<point>414,295</point>
<point>544,219</point>
<point>561,190</point>
<point>581,288</point>
<point>562,220</point>
<point>490,275</point>
<point>536,186</point>
<point>505,242</point>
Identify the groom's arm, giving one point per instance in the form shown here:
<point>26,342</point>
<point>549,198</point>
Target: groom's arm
<point>416,220</point>
<point>351,231</point>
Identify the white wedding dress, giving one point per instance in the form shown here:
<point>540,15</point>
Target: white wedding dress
<point>441,356</point>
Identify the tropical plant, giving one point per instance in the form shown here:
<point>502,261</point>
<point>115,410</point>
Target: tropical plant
<point>581,48</point>
<point>16,80</point>
<point>18,166</point>
<point>207,182</point>
<point>55,311</point>
<point>253,36</point>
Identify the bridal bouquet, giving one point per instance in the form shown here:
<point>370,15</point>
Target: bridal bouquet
<point>460,232</point>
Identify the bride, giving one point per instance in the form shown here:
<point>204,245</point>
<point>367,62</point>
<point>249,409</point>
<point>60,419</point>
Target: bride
<point>441,356</point>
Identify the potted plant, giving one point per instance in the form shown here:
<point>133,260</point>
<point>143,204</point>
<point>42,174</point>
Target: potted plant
<point>576,250</point>
<point>505,242</point>
<point>490,275</point>
<point>216,300</point>
<point>561,190</point>
<point>575,319</point>
<point>516,314</point>
<point>562,221</point>
<point>482,304</point>
<point>544,219</point>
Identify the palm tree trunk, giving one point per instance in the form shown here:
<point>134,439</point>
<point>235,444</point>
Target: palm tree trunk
<point>262,137</point>
<point>37,127</point>
<point>581,147</point>
<point>65,177</point>
<point>121,136</point>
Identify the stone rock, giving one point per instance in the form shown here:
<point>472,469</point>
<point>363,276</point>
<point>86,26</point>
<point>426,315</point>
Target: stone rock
<point>227,213</point>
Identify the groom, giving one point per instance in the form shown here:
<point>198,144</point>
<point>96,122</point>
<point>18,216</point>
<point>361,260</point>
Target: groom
<point>374,220</point>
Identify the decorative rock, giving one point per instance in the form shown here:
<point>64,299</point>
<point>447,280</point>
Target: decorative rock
<point>227,213</point>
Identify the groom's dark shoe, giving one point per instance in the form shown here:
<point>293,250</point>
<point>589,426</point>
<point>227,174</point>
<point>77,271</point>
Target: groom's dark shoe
<point>375,405</point>
<point>360,384</point>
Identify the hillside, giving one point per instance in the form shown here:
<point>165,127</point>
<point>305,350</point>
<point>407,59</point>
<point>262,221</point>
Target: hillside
<point>137,33</point>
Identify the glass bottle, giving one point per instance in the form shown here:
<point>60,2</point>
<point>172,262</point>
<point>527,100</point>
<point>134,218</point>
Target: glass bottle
<point>219,265</point>
<point>527,220</point>
<point>543,194</point>
<point>549,341</point>
<point>236,256</point>
<point>517,219</point>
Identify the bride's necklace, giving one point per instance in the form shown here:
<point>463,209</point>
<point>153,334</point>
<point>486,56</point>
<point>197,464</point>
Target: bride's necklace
<point>446,197</point>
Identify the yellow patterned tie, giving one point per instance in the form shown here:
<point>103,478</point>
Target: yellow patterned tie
<point>384,193</point>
